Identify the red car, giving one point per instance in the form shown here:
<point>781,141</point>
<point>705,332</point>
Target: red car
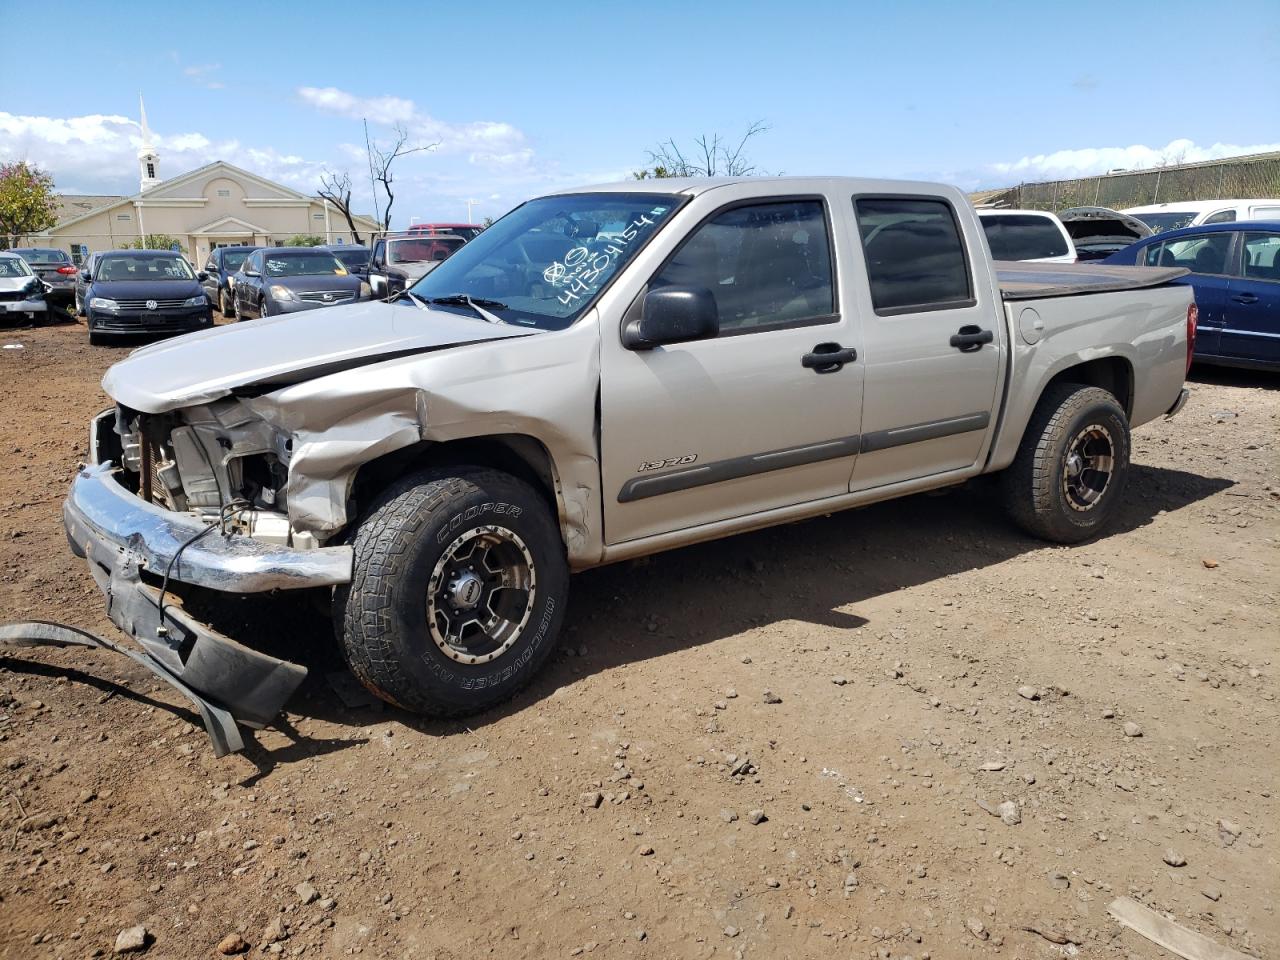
<point>467,231</point>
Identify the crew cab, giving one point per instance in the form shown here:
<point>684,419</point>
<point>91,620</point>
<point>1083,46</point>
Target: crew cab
<point>602,374</point>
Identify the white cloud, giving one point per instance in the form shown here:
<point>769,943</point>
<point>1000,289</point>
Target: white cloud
<point>486,143</point>
<point>1088,161</point>
<point>99,153</point>
<point>202,74</point>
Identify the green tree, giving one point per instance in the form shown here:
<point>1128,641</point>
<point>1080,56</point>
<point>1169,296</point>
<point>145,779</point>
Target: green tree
<point>27,202</point>
<point>304,240</point>
<point>153,241</point>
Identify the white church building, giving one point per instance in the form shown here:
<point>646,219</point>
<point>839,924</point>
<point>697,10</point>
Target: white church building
<point>216,205</point>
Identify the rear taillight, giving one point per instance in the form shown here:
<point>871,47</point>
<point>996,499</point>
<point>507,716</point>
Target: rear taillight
<point>67,271</point>
<point>1193,319</point>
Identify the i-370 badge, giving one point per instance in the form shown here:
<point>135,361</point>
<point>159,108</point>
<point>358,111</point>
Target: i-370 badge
<point>671,462</point>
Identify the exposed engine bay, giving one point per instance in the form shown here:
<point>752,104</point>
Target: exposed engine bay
<point>217,461</point>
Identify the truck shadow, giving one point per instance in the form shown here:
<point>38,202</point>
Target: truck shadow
<point>813,571</point>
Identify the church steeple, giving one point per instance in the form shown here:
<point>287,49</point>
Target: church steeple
<point>148,159</point>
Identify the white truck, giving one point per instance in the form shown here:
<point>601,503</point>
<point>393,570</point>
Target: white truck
<point>602,374</point>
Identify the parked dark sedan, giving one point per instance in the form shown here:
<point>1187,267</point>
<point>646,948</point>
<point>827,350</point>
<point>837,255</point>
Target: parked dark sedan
<point>55,268</point>
<point>144,291</point>
<point>221,266</point>
<point>1235,272</point>
<point>278,280</point>
<point>82,281</point>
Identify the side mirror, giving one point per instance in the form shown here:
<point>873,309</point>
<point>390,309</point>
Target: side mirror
<point>673,315</point>
<point>202,276</point>
<point>84,275</point>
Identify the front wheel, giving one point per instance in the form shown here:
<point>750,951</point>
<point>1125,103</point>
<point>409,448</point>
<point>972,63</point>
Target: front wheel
<point>457,594</point>
<point>1066,482</point>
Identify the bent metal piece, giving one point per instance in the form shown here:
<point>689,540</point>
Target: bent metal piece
<point>218,723</point>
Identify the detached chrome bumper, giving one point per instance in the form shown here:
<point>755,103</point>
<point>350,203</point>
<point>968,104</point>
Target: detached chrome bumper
<point>1183,396</point>
<point>102,513</point>
<point>122,538</point>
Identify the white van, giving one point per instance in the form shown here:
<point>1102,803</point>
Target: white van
<point>1192,213</point>
<point>1033,235</point>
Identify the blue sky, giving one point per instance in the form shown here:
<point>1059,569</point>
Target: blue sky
<point>525,97</point>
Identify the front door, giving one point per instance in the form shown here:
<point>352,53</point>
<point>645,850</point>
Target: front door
<point>714,429</point>
<point>933,354</point>
<point>1252,328</point>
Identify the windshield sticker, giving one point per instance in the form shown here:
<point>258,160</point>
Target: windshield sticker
<point>582,270</point>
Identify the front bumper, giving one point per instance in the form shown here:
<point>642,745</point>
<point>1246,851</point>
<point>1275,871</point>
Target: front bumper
<point>132,546</point>
<point>151,321</point>
<point>23,306</point>
<point>300,306</point>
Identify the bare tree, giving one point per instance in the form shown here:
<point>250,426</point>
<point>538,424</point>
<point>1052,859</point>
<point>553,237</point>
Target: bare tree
<point>336,188</point>
<point>710,155</point>
<point>381,159</point>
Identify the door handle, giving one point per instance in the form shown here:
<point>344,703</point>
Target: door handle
<point>1245,298</point>
<point>970,338</point>
<point>828,358</point>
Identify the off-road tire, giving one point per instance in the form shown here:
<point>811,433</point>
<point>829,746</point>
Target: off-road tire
<point>1035,484</point>
<point>381,616</point>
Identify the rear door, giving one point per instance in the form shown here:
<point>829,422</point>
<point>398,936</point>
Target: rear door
<point>933,352</point>
<point>709,430</point>
<point>1208,256</point>
<point>1252,328</point>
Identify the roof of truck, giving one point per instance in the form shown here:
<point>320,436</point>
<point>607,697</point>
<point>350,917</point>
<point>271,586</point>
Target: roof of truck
<point>692,186</point>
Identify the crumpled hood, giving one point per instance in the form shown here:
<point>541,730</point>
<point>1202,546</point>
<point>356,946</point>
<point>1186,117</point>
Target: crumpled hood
<point>9,284</point>
<point>203,366</point>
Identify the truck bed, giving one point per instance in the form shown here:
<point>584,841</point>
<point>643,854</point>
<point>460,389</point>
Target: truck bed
<point>1038,281</point>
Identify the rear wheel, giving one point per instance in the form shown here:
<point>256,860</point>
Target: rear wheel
<point>457,593</point>
<point>1068,477</point>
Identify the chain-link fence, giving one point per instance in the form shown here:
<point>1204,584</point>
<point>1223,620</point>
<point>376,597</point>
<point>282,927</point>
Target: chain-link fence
<point>1245,178</point>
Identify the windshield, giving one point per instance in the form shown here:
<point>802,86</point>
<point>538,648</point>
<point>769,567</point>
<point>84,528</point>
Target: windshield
<point>43,256</point>
<point>544,262</point>
<point>231,261</point>
<point>311,264</point>
<point>425,249</point>
<point>1023,237</point>
<point>143,268</point>
<point>13,267</point>
<point>356,257</point>
<point>1160,222</point>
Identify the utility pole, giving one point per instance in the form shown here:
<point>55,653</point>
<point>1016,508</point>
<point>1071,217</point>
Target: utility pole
<point>470,204</point>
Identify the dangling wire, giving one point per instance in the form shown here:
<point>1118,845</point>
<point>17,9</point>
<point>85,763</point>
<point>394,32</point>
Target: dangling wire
<point>234,507</point>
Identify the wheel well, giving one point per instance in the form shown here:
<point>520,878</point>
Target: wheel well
<point>522,456</point>
<point>1113,374</point>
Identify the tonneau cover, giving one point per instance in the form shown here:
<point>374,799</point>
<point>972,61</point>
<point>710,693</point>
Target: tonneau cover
<point>1037,281</point>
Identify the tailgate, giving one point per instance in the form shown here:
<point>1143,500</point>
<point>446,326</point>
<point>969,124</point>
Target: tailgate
<point>1038,281</point>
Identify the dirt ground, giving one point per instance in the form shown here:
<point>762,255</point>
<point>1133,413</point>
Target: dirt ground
<point>853,679</point>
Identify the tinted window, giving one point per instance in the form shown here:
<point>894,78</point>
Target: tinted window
<point>43,257</point>
<point>232,259</point>
<point>915,257</point>
<point>1222,216</point>
<point>767,265</point>
<point>143,268</point>
<point>314,264</point>
<point>1017,236</point>
<point>353,259</point>
<point>1203,254</point>
<point>1262,256</point>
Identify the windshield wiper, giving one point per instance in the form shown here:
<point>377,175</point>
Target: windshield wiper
<point>476,304</point>
<point>416,299</point>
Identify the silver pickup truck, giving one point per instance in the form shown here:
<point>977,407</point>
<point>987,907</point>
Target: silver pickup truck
<point>604,373</point>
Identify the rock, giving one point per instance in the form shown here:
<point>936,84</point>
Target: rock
<point>1059,881</point>
<point>850,883</point>
<point>644,850</point>
<point>992,766</point>
<point>1108,713</point>
<point>307,893</point>
<point>756,817</point>
<point>1213,892</point>
<point>772,883</point>
<point>771,697</point>
<point>591,799</point>
<point>1208,563</point>
<point>731,931</point>
<point>977,928</point>
<point>1028,693</point>
<point>1131,729</point>
<point>1174,859</point>
<point>1228,832</point>
<point>276,931</point>
<point>727,815</point>
<point>1009,813</point>
<point>132,940</point>
<point>839,681</point>
<point>232,944</point>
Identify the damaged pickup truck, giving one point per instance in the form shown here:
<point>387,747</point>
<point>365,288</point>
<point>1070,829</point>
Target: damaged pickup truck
<point>602,374</point>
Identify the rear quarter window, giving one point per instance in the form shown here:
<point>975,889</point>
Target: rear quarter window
<point>916,258</point>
